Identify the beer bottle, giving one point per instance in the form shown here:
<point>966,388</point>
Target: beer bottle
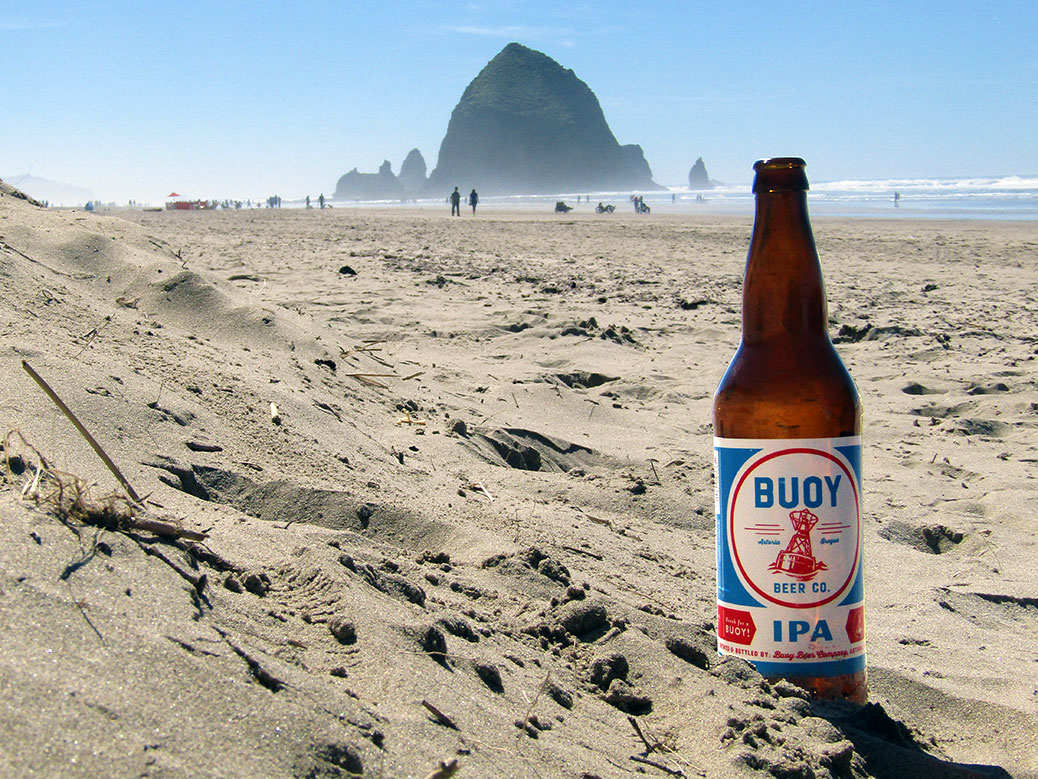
<point>787,453</point>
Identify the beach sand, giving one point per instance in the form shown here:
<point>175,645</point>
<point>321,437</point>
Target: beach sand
<point>480,525</point>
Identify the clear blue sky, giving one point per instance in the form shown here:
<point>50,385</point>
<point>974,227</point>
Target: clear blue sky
<point>228,98</point>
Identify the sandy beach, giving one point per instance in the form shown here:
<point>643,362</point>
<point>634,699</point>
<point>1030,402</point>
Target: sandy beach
<point>424,495</point>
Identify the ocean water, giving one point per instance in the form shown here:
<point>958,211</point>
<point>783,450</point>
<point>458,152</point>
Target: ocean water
<point>1005,197</point>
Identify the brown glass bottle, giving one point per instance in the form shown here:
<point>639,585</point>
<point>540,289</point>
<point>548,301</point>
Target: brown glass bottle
<point>786,388</point>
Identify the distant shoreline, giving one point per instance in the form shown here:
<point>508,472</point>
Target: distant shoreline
<point>984,198</point>
<point>662,208</point>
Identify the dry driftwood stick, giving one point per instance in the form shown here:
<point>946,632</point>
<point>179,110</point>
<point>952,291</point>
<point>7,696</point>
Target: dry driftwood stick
<point>83,432</point>
<point>407,419</point>
<point>44,463</point>
<point>31,486</point>
<point>372,378</point>
<point>160,528</point>
<point>89,337</point>
<point>126,302</point>
<point>79,604</point>
<point>446,770</point>
<point>652,464</point>
<point>584,552</point>
<point>638,729</point>
<point>658,746</point>
<point>654,764</point>
<point>440,717</point>
<point>529,711</point>
<point>9,248</point>
<point>369,348</point>
<point>594,405</point>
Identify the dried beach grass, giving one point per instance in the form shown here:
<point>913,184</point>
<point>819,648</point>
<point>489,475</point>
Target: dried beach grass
<point>63,494</point>
<point>70,498</point>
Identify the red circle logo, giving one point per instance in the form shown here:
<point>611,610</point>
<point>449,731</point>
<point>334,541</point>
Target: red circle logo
<point>794,529</point>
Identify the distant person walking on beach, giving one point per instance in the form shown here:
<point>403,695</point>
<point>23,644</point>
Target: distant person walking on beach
<point>320,199</point>
<point>473,199</point>
<point>455,202</point>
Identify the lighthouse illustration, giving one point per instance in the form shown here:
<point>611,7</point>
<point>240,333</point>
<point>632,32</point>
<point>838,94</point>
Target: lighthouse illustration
<point>797,559</point>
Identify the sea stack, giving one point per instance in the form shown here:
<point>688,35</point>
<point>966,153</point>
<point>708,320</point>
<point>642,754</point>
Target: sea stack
<point>412,172</point>
<point>526,125</point>
<point>697,176</point>
<point>369,186</point>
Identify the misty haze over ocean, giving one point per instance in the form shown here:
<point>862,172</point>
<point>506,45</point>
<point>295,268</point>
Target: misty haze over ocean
<point>972,197</point>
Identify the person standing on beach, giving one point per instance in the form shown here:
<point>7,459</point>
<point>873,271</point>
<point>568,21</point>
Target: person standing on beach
<point>473,199</point>
<point>455,202</point>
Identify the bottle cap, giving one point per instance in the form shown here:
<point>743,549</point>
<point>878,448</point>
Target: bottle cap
<point>780,174</point>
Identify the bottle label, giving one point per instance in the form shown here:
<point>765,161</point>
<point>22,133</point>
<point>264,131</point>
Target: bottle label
<point>789,554</point>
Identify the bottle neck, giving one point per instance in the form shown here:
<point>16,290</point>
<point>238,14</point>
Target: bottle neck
<point>783,291</point>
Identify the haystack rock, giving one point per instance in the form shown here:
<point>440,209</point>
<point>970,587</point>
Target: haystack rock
<point>412,172</point>
<point>369,186</point>
<point>698,178</point>
<point>526,125</point>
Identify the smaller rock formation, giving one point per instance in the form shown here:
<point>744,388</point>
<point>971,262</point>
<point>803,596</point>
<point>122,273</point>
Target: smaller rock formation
<point>412,172</point>
<point>369,186</point>
<point>698,178</point>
